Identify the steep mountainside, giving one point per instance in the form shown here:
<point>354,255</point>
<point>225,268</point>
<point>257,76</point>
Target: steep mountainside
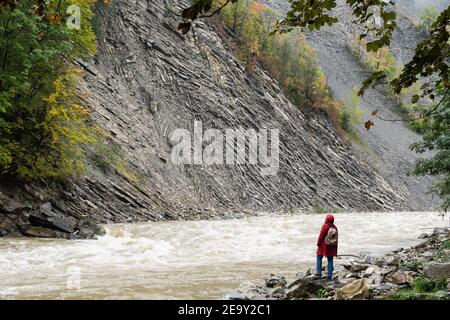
<point>389,141</point>
<point>148,80</point>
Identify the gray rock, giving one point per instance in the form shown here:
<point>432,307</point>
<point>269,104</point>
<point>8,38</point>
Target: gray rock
<point>400,277</point>
<point>275,281</point>
<point>441,295</point>
<point>387,286</point>
<point>427,254</point>
<point>39,232</point>
<point>375,260</point>
<point>441,231</point>
<point>254,291</point>
<point>46,207</point>
<point>305,287</point>
<point>45,217</point>
<point>9,205</point>
<point>236,295</point>
<point>393,261</point>
<point>374,269</point>
<point>355,266</point>
<point>278,293</point>
<point>89,230</point>
<point>423,236</point>
<point>377,279</point>
<point>437,270</point>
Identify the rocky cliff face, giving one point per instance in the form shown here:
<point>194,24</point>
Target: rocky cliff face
<point>148,80</point>
<point>388,141</point>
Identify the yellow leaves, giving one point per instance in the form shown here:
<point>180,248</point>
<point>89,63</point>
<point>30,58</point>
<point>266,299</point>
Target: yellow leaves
<point>51,99</point>
<point>67,129</point>
<point>321,82</point>
<point>41,114</point>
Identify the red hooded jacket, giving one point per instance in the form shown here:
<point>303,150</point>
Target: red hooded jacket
<point>324,249</point>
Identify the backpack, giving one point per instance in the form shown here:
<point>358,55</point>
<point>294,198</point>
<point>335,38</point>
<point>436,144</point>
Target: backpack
<point>332,237</point>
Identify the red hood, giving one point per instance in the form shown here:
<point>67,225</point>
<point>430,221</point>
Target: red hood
<point>329,219</point>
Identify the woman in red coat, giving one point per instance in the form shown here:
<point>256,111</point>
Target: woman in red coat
<point>327,245</point>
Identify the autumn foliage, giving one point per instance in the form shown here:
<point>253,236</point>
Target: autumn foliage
<point>44,125</point>
<point>288,57</point>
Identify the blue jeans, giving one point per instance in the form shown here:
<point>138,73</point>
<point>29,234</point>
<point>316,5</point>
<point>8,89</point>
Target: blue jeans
<point>329,266</point>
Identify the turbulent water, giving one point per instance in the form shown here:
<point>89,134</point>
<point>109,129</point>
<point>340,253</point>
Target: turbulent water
<point>190,259</point>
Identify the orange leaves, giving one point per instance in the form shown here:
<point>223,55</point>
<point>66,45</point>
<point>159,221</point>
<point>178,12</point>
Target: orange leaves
<point>257,7</point>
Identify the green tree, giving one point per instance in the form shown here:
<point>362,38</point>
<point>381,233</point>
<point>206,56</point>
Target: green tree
<point>436,137</point>
<point>43,125</point>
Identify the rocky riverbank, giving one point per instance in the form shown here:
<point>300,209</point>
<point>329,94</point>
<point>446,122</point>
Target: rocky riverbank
<point>48,220</point>
<point>419,272</point>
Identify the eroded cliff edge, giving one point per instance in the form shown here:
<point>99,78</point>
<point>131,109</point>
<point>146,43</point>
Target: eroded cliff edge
<point>148,80</point>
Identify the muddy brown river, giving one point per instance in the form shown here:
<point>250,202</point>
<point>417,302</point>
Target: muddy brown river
<point>191,259</point>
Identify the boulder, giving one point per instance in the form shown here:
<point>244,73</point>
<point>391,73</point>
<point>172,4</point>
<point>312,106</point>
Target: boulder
<point>423,235</point>
<point>377,279</point>
<point>400,277</point>
<point>274,281</point>
<point>279,293</point>
<point>305,287</point>
<point>358,289</point>
<point>427,255</point>
<point>371,270</point>
<point>356,266</point>
<point>48,218</point>
<point>88,230</point>
<point>393,261</point>
<point>38,232</point>
<point>437,270</point>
